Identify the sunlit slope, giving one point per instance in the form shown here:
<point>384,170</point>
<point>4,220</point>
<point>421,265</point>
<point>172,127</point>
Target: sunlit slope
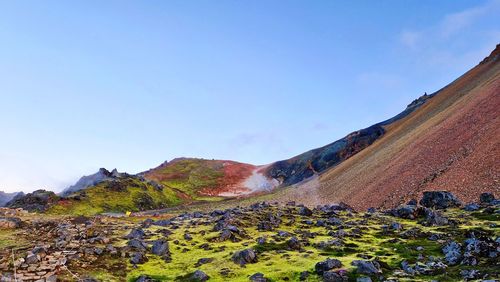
<point>450,143</point>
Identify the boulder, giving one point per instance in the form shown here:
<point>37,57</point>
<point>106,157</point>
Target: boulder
<point>305,211</point>
<point>137,244</point>
<point>136,233</point>
<point>405,211</point>
<point>138,258</point>
<point>439,200</point>
<point>160,247</point>
<point>331,276</point>
<point>326,265</point>
<point>198,276</point>
<point>367,267</point>
<point>245,256</point>
<point>486,198</point>
<point>452,252</point>
<point>294,244</point>
<point>472,207</point>
<point>258,277</point>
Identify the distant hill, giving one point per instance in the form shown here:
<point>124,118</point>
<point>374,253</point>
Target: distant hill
<point>6,197</point>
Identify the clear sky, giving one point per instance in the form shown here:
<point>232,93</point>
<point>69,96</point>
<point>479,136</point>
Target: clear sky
<point>130,84</point>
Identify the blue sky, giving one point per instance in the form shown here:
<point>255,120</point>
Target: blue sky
<point>130,84</point>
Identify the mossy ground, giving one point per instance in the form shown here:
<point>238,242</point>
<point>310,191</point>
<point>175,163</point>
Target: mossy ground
<point>368,237</point>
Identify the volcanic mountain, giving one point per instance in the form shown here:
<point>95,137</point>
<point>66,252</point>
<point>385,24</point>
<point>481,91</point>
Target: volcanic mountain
<point>451,142</point>
<point>448,140</point>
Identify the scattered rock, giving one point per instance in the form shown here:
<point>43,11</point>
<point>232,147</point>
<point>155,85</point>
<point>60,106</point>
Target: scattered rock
<point>328,264</point>
<point>258,277</point>
<point>198,276</point>
<point>367,267</point>
<point>439,200</point>
<point>245,256</point>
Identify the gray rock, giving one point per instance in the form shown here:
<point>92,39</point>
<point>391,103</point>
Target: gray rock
<point>472,207</point>
<point>331,276</point>
<point>245,256</point>
<point>160,247</point>
<point>367,267</point>
<point>439,200</point>
<point>138,258</point>
<point>305,211</point>
<point>136,234</point>
<point>486,198</point>
<point>452,252</point>
<point>294,244</point>
<point>258,277</point>
<point>137,244</point>
<point>328,264</point>
<point>198,276</point>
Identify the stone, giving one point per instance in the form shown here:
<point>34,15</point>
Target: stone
<point>138,258</point>
<point>405,211</point>
<point>472,207</point>
<point>305,211</point>
<point>367,267</point>
<point>160,247</point>
<point>486,198</point>
<point>331,276</point>
<point>304,275</point>
<point>452,252</point>
<point>136,234</point>
<point>294,244</point>
<point>245,256</point>
<point>258,277</point>
<point>328,264</point>
<point>439,200</point>
<point>198,276</point>
<point>144,278</point>
<point>137,244</point>
<point>203,261</point>
<point>363,279</point>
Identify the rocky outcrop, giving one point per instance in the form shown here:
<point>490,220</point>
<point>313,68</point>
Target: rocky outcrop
<point>303,166</point>
<point>37,201</point>
<point>91,180</point>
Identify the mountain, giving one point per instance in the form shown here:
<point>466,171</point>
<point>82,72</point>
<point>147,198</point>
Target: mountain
<point>6,197</point>
<point>450,142</point>
<point>180,181</point>
<point>308,164</point>
<point>91,180</point>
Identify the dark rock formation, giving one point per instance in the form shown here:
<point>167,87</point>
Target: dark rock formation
<point>38,201</point>
<point>439,200</point>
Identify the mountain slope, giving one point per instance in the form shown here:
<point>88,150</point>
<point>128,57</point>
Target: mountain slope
<point>315,161</point>
<point>91,180</point>
<point>6,197</point>
<point>450,143</point>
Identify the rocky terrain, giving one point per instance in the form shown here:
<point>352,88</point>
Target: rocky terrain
<point>436,238</point>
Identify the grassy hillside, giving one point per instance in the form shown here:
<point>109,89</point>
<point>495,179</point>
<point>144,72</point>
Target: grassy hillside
<point>182,181</point>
